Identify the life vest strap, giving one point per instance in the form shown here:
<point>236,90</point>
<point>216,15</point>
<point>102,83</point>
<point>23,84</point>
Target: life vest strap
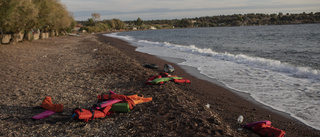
<point>92,111</point>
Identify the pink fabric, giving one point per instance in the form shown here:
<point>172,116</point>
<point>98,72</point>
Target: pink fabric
<point>267,122</point>
<point>44,114</point>
<point>109,102</point>
<point>111,92</point>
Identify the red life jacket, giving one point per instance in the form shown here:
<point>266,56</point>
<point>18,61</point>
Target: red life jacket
<point>267,122</point>
<point>265,130</point>
<point>184,80</point>
<point>164,74</point>
<point>93,113</point>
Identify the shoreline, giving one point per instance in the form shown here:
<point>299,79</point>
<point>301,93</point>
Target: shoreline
<point>74,70</point>
<point>245,105</point>
<point>246,96</point>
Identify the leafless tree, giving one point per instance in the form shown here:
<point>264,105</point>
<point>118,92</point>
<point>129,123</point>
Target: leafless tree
<point>95,16</point>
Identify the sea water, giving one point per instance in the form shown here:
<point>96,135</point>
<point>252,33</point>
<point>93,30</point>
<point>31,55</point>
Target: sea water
<point>279,65</point>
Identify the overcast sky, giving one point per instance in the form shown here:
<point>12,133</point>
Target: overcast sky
<point>178,9</point>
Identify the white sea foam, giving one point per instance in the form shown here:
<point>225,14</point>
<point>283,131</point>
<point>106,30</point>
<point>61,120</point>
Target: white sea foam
<point>268,64</point>
<point>282,86</point>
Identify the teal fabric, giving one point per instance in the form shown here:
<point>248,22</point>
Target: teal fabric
<point>156,81</point>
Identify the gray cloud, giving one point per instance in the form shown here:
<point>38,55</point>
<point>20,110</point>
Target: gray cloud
<point>154,9</point>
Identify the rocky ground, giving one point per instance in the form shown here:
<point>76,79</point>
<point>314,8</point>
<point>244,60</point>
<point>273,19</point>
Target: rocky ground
<point>75,70</point>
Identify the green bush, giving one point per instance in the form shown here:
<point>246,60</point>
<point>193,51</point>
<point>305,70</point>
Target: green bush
<point>25,15</point>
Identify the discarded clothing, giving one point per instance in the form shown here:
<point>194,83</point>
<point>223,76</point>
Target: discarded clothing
<point>117,96</point>
<point>164,77</point>
<point>152,66</point>
<point>138,100</point>
<point>264,129</point>
<point>153,78</point>
<point>51,108</point>
<point>168,68</point>
<point>91,114</point>
<point>47,104</point>
<point>267,122</point>
<point>43,115</point>
<point>108,104</point>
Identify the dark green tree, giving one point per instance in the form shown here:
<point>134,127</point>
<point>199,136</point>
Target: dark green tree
<point>90,22</point>
<point>139,22</point>
<point>184,23</point>
<point>17,15</point>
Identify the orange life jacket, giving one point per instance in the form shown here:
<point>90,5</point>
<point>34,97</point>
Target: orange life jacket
<point>91,114</point>
<point>101,112</point>
<point>47,104</point>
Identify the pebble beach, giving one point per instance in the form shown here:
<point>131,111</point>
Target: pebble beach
<point>75,70</point>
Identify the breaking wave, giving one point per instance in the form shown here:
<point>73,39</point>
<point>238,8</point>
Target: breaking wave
<point>257,62</point>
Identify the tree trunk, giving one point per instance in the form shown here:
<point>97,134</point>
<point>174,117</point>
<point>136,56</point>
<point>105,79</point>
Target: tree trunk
<point>6,38</point>
<point>52,33</point>
<point>17,37</point>
<point>57,33</point>
<point>36,36</point>
<point>29,36</point>
<point>43,35</point>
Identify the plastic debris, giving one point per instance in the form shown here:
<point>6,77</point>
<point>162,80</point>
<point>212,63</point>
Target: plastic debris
<point>240,119</point>
<point>168,68</point>
<point>207,105</point>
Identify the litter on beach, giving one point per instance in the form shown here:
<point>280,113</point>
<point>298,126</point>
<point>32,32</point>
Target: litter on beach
<point>168,68</point>
<point>152,66</point>
<point>207,105</point>
<point>50,108</point>
<point>240,119</point>
<point>264,128</point>
<point>164,77</point>
<point>43,115</point>
<point>107,105</point>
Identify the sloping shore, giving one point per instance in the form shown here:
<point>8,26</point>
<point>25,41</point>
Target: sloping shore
<point>74,70</point>
<point>225,103</point>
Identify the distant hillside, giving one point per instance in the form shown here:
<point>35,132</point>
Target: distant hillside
<point>237,20</point>
<point>95,25</point>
